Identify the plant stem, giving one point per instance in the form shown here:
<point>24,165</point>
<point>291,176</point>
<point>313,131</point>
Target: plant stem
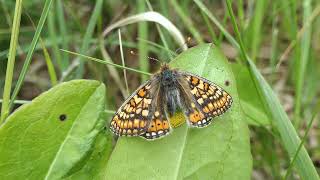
<point>11,60</point>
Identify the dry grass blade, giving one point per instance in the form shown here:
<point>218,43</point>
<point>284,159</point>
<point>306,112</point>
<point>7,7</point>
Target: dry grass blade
<point>112,70</point>
<point>123,64</point>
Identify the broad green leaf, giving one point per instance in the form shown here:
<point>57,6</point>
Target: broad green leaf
<point>219,151</point>
<point>37,142</point>
<point>95,167</point>
<point>250,100</point>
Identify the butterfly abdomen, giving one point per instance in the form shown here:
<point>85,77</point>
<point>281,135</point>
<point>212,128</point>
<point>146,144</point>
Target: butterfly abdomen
<point>172,101</point>
<point>169,87</point>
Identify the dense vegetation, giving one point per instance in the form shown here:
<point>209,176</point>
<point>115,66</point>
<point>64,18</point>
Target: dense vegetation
<point>274,71</point>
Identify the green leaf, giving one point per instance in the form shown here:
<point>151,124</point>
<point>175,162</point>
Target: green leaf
<point>219,151</point>
<point>37,142</point>
<point>249,98</point>
<point>95,167</point>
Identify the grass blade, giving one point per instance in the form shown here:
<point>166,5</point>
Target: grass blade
<point>53,38</point>
<point>112,70</point>
<point>290,138</point>
<point>162,35</point>
<point>88,34</point>
<point>50,66</point>
<point>11,60</point>
<point>303,61</point>
<point>187,21</point>
<point>142,46</point>
<point>123,64</point>
<point>217,23</point>
<point>302,141</point>
<point>33,45</point>
<point>106,62</point>
<point>253,35</point>
<point>63,33</point>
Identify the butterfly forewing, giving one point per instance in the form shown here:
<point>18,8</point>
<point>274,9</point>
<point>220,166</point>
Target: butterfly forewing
<point>208,100</point>
<point>133,117</point>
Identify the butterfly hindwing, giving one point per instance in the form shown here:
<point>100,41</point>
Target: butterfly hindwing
<point>208,100</point>
<point>159,126</point>
<point>133,117</point>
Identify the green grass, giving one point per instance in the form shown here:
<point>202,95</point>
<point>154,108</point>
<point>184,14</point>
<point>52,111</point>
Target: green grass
<point>143,33</point>
<point>273,44</point>
<point>34,42</point>
<point>63,32</point>
<point>289,136</point>
<point>11,60</point>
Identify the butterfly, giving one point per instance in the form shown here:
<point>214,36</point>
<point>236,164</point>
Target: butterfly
<point>146,113</point>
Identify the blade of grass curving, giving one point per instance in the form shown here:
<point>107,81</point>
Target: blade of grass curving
<point>88,35</point>
<point>33,45</point>
<point>316,112</point>
<point>11,60</point>
<point>303,61</point>
<point>142,46</point>
<point>290,138</point>
<point>162,35</point>
<point>123,64</point>
<point>187,21</point>
<point>153,17</point>
<point>106,62</point>
<point>63,32</point>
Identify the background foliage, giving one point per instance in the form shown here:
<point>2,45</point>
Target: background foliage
<point>280,37</point>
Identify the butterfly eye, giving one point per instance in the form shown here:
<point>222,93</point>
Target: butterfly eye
<point>63,117</point>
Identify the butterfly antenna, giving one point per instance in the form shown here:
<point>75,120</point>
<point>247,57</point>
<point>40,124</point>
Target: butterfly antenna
<point>185,43</point>
<point>151,58</point>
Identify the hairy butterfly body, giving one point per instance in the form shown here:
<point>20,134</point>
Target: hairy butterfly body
<point>147,111</point>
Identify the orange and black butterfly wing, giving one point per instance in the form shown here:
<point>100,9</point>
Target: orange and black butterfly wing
<point>133,117</point>
<point>207,100</point>
<point>159,123</point>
